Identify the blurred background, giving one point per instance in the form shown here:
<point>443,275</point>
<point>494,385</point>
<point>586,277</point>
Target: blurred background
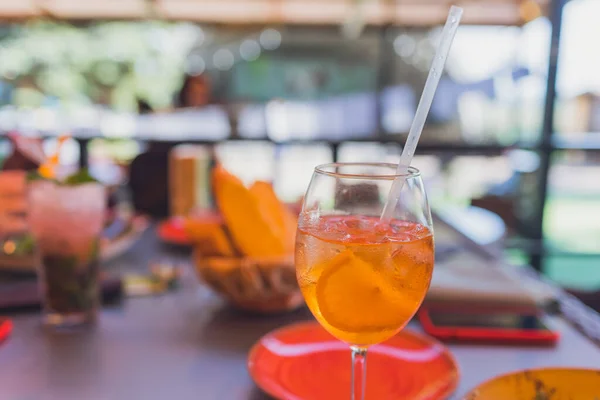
<point>278,86</point>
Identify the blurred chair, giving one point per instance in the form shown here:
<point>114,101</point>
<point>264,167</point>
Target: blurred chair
<point>149,180</point>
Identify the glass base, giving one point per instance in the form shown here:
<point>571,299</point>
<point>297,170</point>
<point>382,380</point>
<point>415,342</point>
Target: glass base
<point>72,320</point>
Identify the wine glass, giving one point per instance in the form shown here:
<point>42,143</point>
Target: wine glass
<point>363,279</point>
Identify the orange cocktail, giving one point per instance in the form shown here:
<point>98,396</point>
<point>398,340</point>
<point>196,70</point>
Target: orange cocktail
<point>362,279</point>
<point>364,253</point>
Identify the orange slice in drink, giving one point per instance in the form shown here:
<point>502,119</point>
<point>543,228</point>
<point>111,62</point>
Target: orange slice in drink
<point>353,297</point>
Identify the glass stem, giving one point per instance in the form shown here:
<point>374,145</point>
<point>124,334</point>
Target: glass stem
<point>359,372</point>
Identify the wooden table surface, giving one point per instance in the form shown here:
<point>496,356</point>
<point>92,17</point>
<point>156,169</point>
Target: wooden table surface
<point>189,345</point>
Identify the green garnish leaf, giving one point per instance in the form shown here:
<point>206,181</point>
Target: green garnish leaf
<point>80,177</point>
<point>35,176</point>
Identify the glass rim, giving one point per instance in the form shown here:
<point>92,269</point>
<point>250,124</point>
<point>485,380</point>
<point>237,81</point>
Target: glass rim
<point>411,173</point>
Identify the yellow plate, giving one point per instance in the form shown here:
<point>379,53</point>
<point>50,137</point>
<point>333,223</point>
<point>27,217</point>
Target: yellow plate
<point>541,384</point>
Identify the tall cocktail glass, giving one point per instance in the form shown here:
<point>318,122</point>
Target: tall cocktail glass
<point>66,222</point>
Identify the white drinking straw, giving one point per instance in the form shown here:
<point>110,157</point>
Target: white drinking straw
<point>433,79</point>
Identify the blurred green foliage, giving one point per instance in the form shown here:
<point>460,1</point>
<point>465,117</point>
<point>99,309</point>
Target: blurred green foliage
<point>109,63</point>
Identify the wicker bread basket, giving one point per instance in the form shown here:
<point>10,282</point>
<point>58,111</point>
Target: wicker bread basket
<point>263,285</point>
<point>244,250</point>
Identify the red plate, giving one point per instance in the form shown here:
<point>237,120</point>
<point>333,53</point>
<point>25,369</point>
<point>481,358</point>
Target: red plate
<point>5,329</point>
<point>304,362</point>
<point>172,231</point>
